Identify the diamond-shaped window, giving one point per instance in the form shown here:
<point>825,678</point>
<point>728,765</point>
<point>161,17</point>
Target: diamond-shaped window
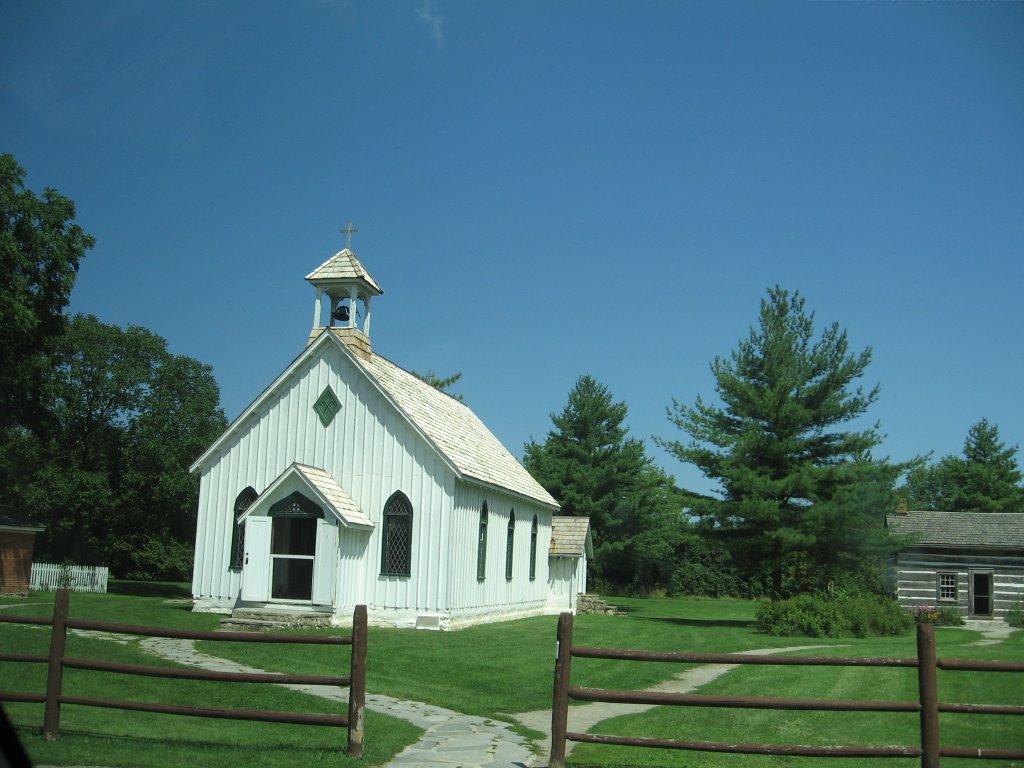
<point>327,406</point>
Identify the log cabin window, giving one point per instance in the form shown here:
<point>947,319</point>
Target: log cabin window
<point>510,544</point>
<point>533,550</point>
<point>396,547</point>
<point>947,586</point>
<point>242,502</point>
<point>481,545</point>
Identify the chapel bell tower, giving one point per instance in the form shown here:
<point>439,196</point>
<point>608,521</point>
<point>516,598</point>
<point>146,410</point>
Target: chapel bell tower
<point>348,288</point>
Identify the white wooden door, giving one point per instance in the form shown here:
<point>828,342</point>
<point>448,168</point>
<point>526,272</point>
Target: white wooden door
<point>325,563</point>
<point>256,565</point>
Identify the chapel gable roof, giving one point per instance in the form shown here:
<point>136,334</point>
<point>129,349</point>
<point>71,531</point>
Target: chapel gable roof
<point>570,536</point>
<point>456,431</point>
<point>343,266</point>
<point>449,426</point>
<point>323,488</point>
<point>960,529</point>
<point>343,505</point>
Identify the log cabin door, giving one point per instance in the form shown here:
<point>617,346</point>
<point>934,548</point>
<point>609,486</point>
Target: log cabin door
<point>981,593</point>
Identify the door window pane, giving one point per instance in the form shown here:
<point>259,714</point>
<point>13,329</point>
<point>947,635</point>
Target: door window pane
<point>294,536</point>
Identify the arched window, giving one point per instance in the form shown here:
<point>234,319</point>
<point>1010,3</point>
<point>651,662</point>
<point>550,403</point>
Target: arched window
<point>396,547</point>
<point>481,545</point>
<point>242,503</point>
<point>509,544</point>
<point>533,550</point>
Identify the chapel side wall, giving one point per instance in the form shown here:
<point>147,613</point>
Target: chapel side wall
<point>495,596</point>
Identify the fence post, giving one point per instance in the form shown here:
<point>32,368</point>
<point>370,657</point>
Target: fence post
<point>560,697</point>
<point>357,688</point>
<point>928,690</point>
<point>54,675</point>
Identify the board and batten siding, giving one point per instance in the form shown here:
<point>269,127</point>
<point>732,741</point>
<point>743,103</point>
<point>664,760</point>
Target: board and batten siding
<point>369,448</point>
<point>916,578</point>
<point>495,597</point>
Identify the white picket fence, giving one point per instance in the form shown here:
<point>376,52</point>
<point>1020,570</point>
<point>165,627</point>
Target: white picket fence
<point>46,577</point>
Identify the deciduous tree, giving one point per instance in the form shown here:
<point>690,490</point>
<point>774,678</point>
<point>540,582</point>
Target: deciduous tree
<point>111,480</point>
<point>40,250</point>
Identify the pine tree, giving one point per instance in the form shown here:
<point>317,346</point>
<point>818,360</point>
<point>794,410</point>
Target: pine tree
<point>985,479</point>
<point>801,500</point>
<point>591,466</point>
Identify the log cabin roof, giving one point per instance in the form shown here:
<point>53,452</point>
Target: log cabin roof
<point>960,529</point>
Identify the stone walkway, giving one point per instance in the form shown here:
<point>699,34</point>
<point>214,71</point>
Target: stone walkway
<point>449,738</point>
<point>453,739</point>
<point>992,632</point>
<point>583,717</point>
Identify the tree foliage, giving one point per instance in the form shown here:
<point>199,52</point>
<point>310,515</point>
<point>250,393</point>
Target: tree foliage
<point>40,250</point>
<point>801,501</point>
<point>109,477</point>
<point>438,382</point>
<point>986,478</point>
<point>591,466</point>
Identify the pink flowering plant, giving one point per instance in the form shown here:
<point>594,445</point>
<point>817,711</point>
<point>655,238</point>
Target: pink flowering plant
<point>933,614</point>
<point>926,614</point>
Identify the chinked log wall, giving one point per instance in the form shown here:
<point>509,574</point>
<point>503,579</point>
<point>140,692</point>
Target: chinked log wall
<point>928,705</point>
<point>57,661</point>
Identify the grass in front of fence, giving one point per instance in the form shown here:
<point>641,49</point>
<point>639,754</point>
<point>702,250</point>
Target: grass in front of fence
<point>496,669</point>
<point>493,670</point>
<point>822,728</point>
<point>110,737</point>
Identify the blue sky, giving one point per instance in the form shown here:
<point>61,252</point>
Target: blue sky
<point>548,189</point>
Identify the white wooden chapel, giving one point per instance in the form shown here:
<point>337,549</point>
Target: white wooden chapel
<point>349,480</point>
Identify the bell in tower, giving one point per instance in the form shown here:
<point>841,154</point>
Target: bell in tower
<point>347,288</point>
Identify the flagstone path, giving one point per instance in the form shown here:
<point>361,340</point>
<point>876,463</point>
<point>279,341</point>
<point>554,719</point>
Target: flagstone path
<point>454,739</point>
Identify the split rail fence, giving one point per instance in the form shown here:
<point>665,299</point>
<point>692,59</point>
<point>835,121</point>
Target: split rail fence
<point>928,705</point>
<point>57,661</point>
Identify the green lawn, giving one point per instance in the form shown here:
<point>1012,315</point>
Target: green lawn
<point>825,728</point>
<point>498,669</point>
<point>108,737</point>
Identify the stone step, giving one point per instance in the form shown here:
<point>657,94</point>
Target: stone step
<point>231,624</point>
<point>593,604</point>
<point>262,620</point>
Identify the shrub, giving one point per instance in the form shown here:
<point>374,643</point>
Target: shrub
<point>816,615</point>
<point>1015,616</point>
<point>693,578</point>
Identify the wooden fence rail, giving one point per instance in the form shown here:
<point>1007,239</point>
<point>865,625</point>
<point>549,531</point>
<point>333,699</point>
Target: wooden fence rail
<point>58,660</point>
<point>928,705</point>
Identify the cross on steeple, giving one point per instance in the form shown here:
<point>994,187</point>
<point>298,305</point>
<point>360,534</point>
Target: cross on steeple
<point>347,231</point>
